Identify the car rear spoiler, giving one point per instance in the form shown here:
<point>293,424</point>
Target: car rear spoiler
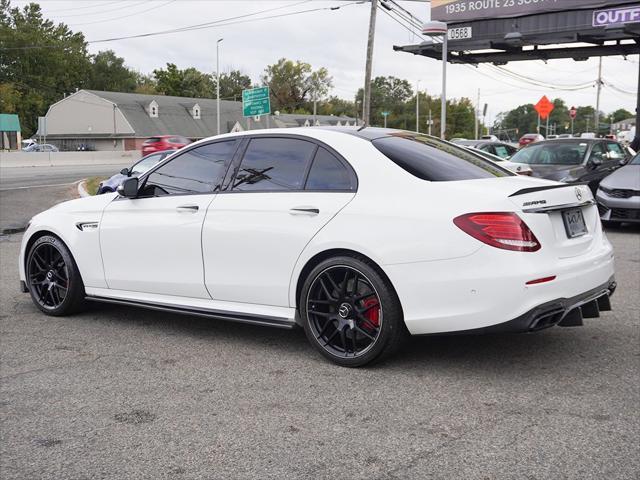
<point>524,191</point>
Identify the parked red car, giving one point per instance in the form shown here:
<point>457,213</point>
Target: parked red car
<point>530,138</point>
<point>162,143</point>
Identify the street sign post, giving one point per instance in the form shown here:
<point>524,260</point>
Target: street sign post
<point>256,102</point>
<point>572,113</point>
<point>544,107</point>
<point>385,115</point>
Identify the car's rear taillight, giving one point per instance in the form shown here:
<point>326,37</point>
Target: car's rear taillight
<point>504,230</point>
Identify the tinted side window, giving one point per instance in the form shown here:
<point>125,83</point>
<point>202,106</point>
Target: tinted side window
<point>615,151</point>
<point>328,173</point>
<point>597,152</point>
<point>436,161</point>
<point>199,170</point>
<point>274,164</point>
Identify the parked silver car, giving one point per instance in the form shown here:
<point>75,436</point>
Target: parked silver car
<point>619,194</point>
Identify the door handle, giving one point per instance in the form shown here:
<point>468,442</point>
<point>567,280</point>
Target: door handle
<point>187,208</point>
<point>304,211</point>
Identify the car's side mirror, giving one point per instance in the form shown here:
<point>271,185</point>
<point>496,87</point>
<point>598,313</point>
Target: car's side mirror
<point>129,188</point>
<point>595,161</point>
<point>125,171</point>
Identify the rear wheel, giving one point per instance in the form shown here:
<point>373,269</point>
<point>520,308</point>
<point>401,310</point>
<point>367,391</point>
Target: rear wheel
<point>53,278</point>
<point>351,313</point>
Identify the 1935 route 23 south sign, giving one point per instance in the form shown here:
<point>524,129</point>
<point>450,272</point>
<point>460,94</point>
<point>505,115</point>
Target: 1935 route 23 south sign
<point>471,10</point>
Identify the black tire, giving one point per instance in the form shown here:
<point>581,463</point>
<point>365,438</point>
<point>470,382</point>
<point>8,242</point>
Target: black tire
<point>53,278</point>
<point>342,284</point>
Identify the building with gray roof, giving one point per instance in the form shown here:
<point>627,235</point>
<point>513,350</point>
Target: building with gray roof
<point>123,121</point>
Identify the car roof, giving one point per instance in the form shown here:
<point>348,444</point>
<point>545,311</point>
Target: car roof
<point>570,140</point>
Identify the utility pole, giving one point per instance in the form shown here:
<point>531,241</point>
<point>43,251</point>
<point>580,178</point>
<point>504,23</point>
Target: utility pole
<point>366,101</point>
<point>477,113</point>
<point>430,121</point>
<point>418,106</point>
<point>597,114</point>
<point>218,84</point>
<point>314,108</point>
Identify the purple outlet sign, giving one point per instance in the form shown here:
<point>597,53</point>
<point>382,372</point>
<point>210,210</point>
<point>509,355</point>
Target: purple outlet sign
<point>614,16</point>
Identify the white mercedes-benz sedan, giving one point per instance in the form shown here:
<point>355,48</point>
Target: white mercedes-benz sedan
<point>360,236</point>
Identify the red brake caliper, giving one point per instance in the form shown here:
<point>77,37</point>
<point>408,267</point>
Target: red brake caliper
<point>373,314</point>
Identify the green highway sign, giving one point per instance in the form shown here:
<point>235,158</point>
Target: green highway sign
<point>255,101</point>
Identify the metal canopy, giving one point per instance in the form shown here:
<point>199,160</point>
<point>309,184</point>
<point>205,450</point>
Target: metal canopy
<point>502,40</point>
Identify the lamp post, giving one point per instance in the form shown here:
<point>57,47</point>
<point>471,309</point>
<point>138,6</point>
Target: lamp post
<point>418,106</point>
<point>218,82</point>
<point>439,29</point>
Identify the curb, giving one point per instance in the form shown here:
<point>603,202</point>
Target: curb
<point>82,190</point>
<point>12,230</point>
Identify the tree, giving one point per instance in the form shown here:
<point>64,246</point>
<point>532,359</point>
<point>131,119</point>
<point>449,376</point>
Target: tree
<point>40,60</point>
<point>338,107</point>
<point>619,115</point>
<point>109,73</point>
<point>9,98</point>
<point>388,94</point>
<point>189,82</point>
<point>232,84</point>
<point>292,84</point>
<point>145,84</point>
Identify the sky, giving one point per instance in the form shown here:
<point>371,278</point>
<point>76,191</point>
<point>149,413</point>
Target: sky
<point>335,39</point>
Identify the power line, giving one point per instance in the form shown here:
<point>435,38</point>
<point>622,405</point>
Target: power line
<point>109,10</point>
<point>105,4</point>
<point>123,16</point>
<point>216,23</point>
<point>388,14</point>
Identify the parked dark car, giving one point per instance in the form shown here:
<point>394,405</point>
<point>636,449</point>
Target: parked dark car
<point>574,160</point>
<point>499,149</point>
<point>138,168</point>
<point>161,143</point>
<point>619,195</point>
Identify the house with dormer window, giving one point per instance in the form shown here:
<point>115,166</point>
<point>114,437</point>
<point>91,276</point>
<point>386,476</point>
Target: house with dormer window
<point>99,120</point>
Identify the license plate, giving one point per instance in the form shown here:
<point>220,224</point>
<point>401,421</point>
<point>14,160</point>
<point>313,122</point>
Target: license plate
<point>574,222</point>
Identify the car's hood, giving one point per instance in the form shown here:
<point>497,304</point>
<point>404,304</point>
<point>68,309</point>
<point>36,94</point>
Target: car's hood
<point>85,204</point>
<point>625,178</point>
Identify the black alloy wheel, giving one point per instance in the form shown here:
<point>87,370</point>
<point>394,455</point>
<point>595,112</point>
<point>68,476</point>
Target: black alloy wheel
<point>53,278</point>
<point>352,315</point>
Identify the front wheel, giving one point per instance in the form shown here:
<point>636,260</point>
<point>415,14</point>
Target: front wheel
<point>351,313</point>
<point>53,278</point>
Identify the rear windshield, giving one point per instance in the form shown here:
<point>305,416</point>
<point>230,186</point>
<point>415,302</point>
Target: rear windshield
<point>431,159</point>
<point>152,140</point>
<point>552,153</point>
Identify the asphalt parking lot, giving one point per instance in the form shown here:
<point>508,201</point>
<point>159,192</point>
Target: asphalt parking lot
<point>126,393</point>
